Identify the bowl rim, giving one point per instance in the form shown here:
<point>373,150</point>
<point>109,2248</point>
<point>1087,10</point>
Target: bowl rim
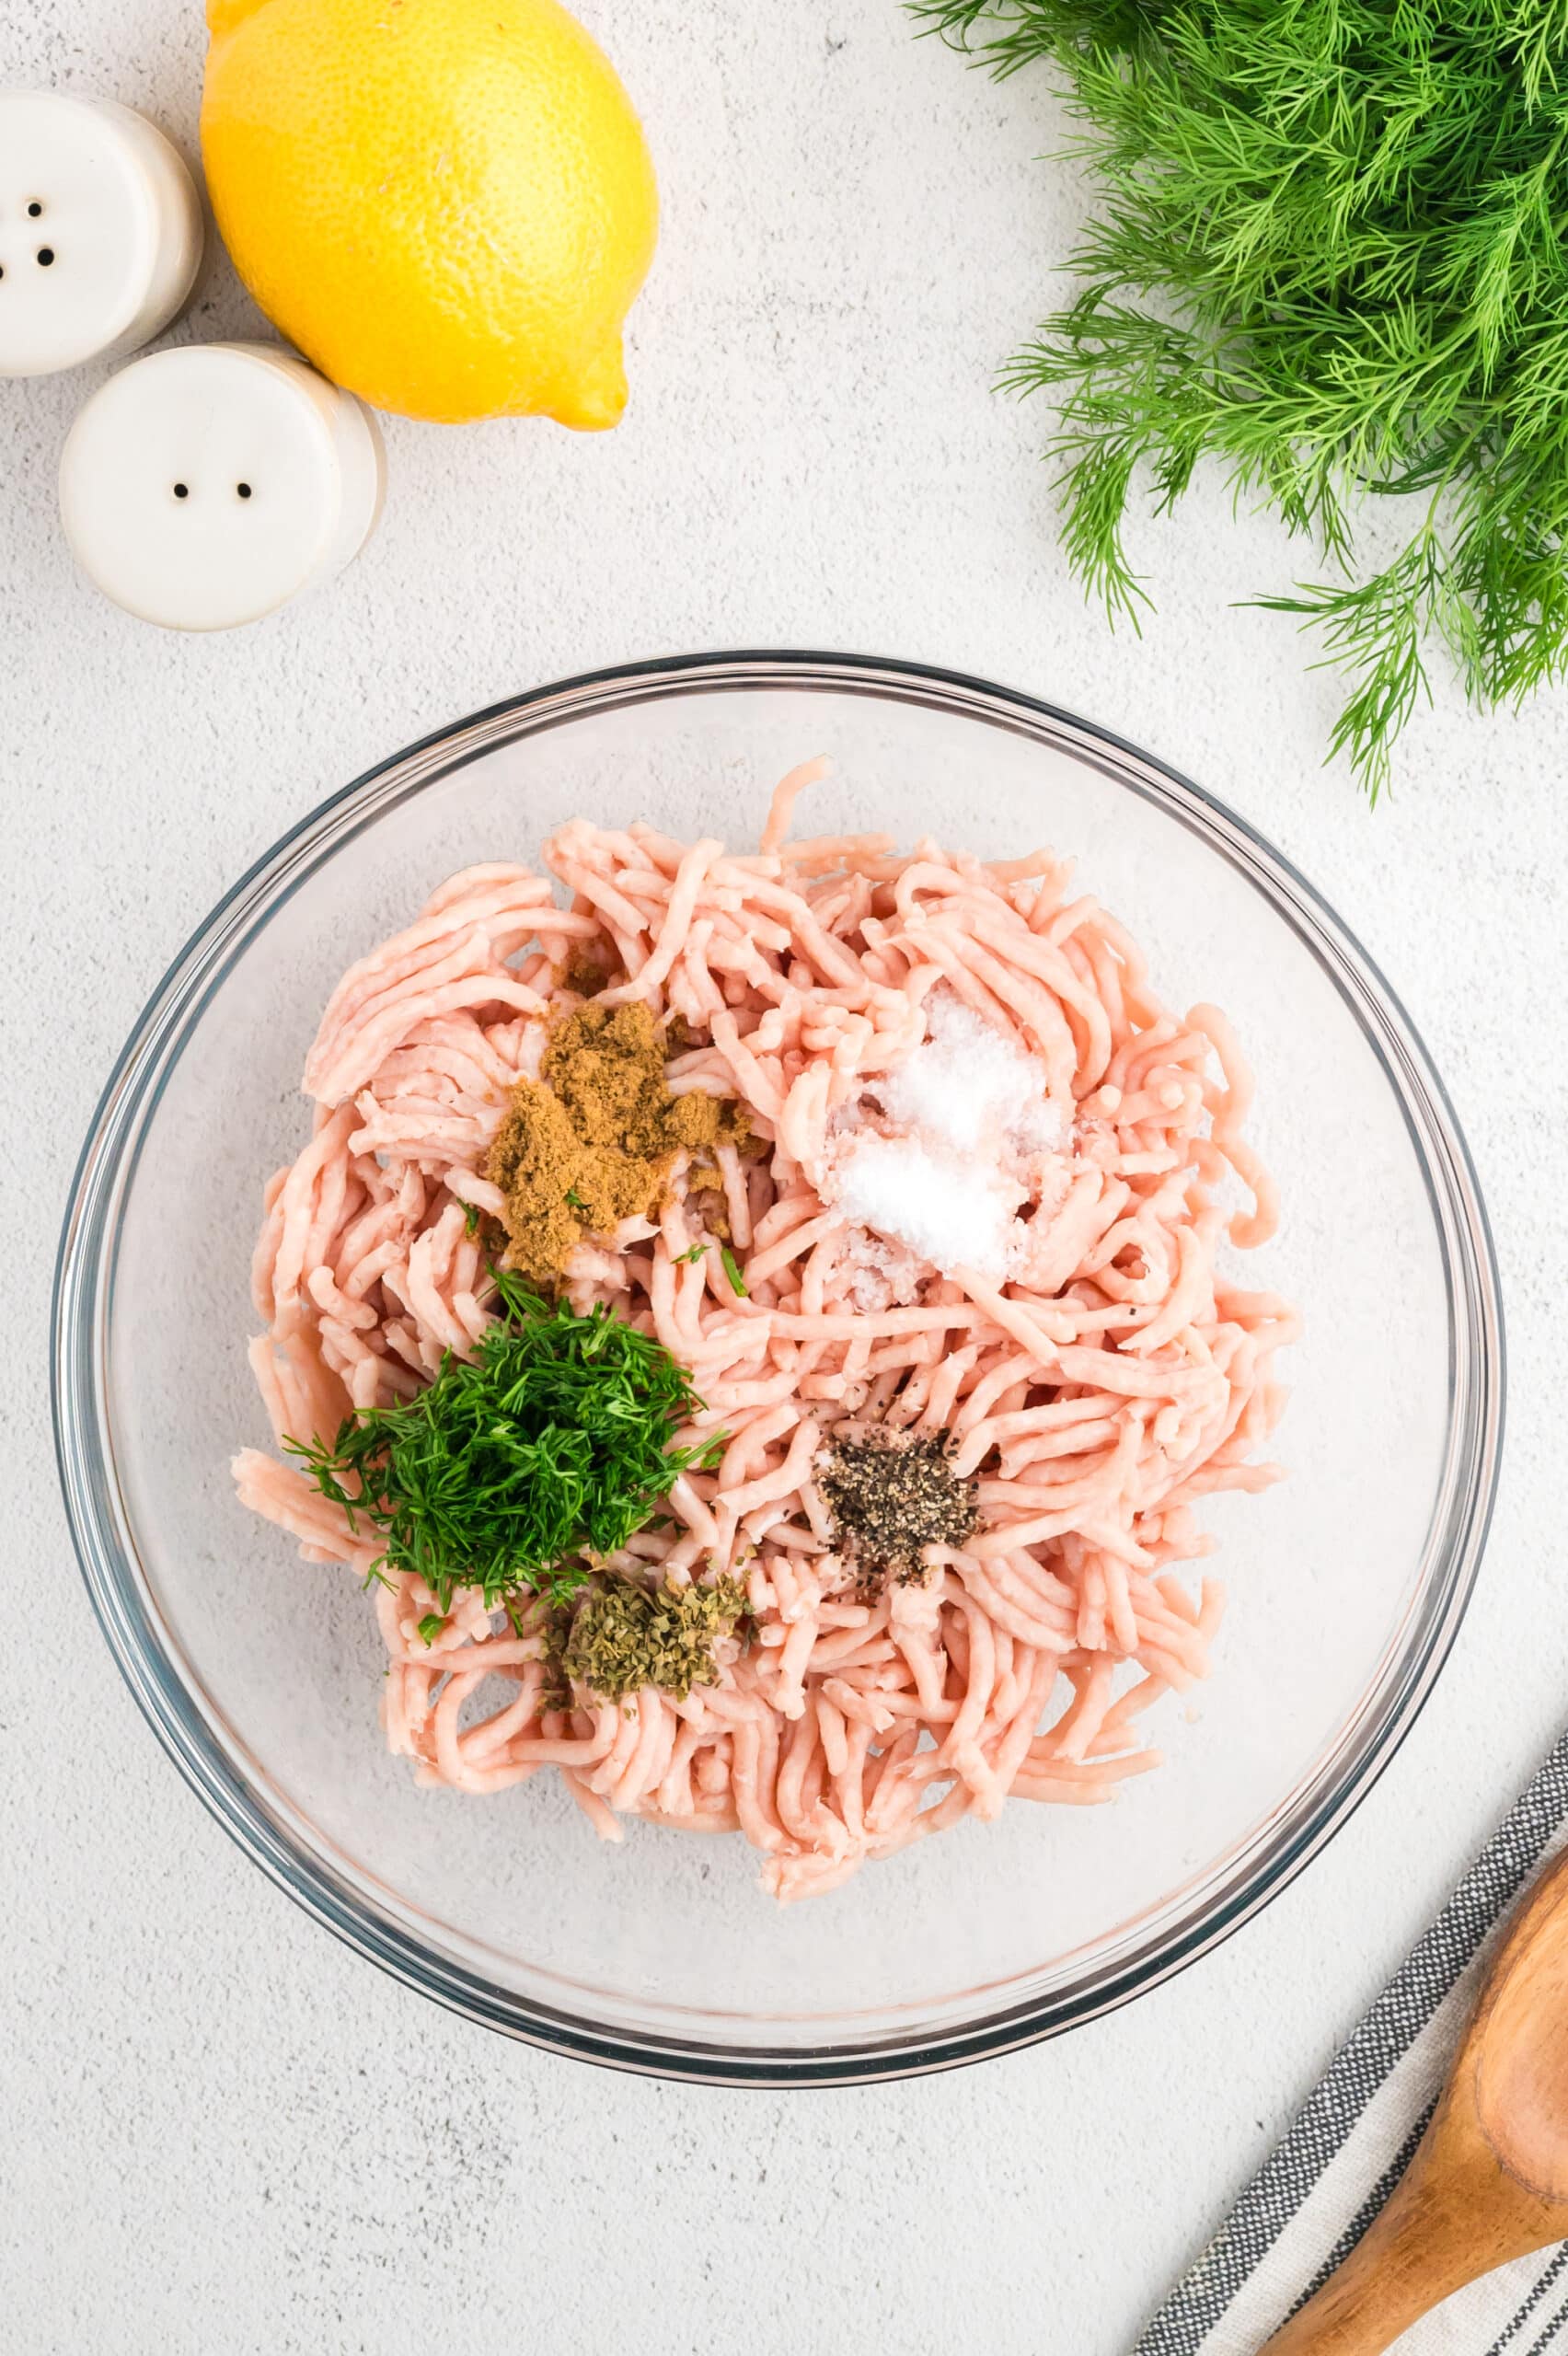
<point>1332,1788</point>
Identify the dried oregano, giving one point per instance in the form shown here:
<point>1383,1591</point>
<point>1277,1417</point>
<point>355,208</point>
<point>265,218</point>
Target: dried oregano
<point>627,1635</point>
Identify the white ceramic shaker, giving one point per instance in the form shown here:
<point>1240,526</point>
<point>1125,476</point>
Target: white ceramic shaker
<point>101,231</point>
<point>208,485</point>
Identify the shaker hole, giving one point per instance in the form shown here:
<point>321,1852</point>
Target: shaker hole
<point>182,490</point>
<point>243,489</point>
<point>34,209</point>
<point>45,256</point>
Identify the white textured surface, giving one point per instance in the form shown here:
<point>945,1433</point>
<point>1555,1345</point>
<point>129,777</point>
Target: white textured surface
<point>222,2132</point>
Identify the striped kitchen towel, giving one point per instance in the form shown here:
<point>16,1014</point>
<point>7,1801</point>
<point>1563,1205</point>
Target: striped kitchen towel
<point>1319,2192</point>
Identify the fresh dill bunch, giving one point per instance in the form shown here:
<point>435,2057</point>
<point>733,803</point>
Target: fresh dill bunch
<point>1330,255</point>
<point>521,1467</point>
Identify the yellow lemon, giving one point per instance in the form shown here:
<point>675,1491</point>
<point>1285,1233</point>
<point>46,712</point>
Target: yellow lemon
<point>447,204</point>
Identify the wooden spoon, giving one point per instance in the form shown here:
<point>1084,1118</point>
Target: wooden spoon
<point>1489,2180</point>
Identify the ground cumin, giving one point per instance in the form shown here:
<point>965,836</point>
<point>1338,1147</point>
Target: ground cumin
<point>585,974</point>
<point>592,1140</point>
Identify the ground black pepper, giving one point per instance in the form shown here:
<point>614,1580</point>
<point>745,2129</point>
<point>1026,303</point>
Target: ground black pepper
<point>893,1493</point>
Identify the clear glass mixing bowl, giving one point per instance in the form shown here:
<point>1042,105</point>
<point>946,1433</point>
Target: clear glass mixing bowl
<point>261,1675</point>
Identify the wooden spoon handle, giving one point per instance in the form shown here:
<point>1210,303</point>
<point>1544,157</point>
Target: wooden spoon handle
<point>1489,2181</point>
<point>1423,2246</point>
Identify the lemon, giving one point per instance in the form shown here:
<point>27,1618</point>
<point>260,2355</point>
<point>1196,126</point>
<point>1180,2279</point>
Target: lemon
<point>447,206</point>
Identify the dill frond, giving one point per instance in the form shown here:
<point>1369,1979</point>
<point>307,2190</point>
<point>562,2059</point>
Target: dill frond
<point>1330,256</point>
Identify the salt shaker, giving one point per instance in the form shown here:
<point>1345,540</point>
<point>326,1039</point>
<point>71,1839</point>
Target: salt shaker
<point>206,486</point>
<point>101,231</point>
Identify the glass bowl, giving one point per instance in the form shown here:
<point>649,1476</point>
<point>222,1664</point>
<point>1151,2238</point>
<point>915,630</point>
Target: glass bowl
<point>261,1675</point>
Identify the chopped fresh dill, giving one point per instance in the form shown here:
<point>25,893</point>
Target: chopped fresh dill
<point>733,1270</point>
<point>471,1218</point>
<point>696,1252</point>
<point>431,1626</point>
<point>527,1465</point>
<point>575,1199</point>
<point>1328,254</point>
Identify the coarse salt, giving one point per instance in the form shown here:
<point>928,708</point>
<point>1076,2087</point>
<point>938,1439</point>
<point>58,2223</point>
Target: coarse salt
<point>880,1272</point>
<point>969,1081</point>
<point>941,1208</point>
<point>940,1152</point>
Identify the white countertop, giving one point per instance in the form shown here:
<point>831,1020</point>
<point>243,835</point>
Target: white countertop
<point>223,2132</point>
